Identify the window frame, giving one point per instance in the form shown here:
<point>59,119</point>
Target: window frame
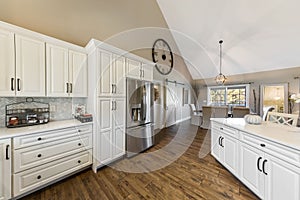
<point>226,87</point>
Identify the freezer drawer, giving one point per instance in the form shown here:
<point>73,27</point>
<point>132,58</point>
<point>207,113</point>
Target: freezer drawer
<point>139,139</point>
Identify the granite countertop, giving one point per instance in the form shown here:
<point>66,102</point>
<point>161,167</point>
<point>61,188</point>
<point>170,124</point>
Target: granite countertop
<point>52,125</point>
<point>282,134</point>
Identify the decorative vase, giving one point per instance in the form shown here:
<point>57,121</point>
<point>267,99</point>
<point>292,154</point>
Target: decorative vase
<point>253,119</point>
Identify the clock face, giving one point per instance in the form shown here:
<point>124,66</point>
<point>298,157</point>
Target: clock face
<point>162,56</point>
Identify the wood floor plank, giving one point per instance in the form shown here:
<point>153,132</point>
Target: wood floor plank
<point>189,176</point>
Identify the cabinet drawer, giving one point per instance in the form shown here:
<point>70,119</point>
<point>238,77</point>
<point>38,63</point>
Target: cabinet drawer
<point>36,177</point>
<point>26,158</point>
<point>225,129</point>
<point>280,151</point>
<point>41,138</point>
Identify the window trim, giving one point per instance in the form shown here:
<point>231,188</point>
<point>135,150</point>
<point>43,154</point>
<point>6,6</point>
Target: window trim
<point>226,87</point>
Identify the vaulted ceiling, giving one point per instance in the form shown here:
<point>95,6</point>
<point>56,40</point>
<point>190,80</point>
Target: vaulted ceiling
<point>258,35</point>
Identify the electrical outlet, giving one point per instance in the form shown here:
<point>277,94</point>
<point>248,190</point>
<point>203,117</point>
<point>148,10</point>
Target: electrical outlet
<point>52,108</point>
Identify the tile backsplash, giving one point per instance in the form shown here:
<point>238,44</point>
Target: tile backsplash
<point>63,106</point>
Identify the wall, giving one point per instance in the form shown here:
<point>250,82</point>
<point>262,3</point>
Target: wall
<point>63,106</point>
<point>256,79</point>
<point>131,25</point>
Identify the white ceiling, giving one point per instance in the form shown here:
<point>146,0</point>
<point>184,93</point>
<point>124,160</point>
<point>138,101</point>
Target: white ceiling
<point>258,35</point>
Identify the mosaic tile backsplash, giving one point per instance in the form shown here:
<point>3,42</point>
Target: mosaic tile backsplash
<point>63,106</point>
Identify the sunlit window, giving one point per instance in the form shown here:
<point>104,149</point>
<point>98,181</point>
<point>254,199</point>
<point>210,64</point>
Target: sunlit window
<point>234,95</point>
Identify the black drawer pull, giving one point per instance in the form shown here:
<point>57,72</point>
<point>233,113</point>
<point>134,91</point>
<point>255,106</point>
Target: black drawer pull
<point>263,166</point>
<point>79,161</point>
<point>258,161</point>
<point>39,139</point>
<point>39,177</point>
<point>79,131</point>
<point>262,145</point>
<point>12,84</point>
<point>221,128</point>
<point>79,144</point>
<point>39,155</point>
<point>7,152</point>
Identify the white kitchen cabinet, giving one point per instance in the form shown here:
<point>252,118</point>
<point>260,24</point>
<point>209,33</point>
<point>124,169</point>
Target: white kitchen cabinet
<point>30,67</point>
<point>109,142</point>
<point>7,63</point>
<point>138,70</point>
<point>66,72</point>
<point>5,169</point>
<point>225,147</point>
<point>78,74</point>
<point>111,74</point>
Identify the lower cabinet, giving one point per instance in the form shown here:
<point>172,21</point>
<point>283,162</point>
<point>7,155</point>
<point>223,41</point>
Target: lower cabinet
<point>109,137</point>
<point>42,158</point>
<point>258,163</point>
<point>5,169</point>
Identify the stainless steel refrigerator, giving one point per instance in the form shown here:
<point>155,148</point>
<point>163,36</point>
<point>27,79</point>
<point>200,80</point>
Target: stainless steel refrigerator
<point>139,122</point>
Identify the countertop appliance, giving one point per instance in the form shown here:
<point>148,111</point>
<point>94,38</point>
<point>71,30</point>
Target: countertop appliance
<point>139,120</point>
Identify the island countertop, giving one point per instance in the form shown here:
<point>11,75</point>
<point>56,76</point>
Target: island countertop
<point>52,125</point>
<point>282,134</point>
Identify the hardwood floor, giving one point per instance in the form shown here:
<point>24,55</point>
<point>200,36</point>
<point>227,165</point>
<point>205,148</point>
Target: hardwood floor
<point>190,176</point>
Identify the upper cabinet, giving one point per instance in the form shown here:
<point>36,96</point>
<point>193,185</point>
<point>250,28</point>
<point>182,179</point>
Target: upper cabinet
<point>111,74</point>
<point>138,70</point>
<point>66,72</point>
<point>7,63</point>
<point>30,67</point>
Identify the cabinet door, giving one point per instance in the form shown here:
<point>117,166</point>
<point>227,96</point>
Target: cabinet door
<point>104,114</point>
<point>250,165</point>
<point>119,142</point>
<point>119,113</point>
<point>5,169</point>
<point>133,69</point>
<point>119,76</point>
<point>215,143</point>
<point>104,75</point>
<point>57,71</point>
<point>7,64</point>
<point>77,74</point>
<point>282,180</point>
<point>30,67</point>
<point>147,72</point>
<point>105,147</point>
<point>230,153</point>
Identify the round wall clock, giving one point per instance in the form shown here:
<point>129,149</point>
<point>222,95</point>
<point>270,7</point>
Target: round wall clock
<point>162,56</point>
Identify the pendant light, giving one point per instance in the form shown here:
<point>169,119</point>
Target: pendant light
<point>220,78</point>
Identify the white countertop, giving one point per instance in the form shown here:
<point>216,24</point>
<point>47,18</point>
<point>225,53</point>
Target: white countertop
<point>282,134</point>
<point>52,125</point>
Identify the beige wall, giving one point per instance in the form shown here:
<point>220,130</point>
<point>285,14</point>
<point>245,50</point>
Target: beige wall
<point>77,21</point>
<point>256,79</point>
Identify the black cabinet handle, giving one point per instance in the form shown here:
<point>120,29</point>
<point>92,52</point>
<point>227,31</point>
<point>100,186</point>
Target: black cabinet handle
<point>79,131</point>
<point>79,161</point>
<point>258,161</point>
<point>39,177</point>
<point>67,87</point>
<point>39,139</point>
<point>222,142</point>
<point>263,165</point>
<point>71,88</point>
<point>262,145</point>
<point>39,155</point>
<point>79,144</point>
<point>7,152</point>
<point>18,85</point>
<point>12,84</point>
<point>221,128</point>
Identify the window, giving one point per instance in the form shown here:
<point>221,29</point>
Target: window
<point>234,95</point>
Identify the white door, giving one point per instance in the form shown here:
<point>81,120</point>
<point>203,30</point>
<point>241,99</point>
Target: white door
<point>7,64</point>
<point>104,75</point>
<point>105,147</point>
<point>170,105</point>
<point>147,72</point>
<point>282,180</point>
<point>179,91</point>
<point>133,69</point>
<point>251,168</point>
<point>57,66</point>
<point>77,74</point>
<point>119,142</point>
<point>30,67</point>
<point>119,76</point>
<point>215,143</point>
<point>5,169</point>
<point>230,153</point>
